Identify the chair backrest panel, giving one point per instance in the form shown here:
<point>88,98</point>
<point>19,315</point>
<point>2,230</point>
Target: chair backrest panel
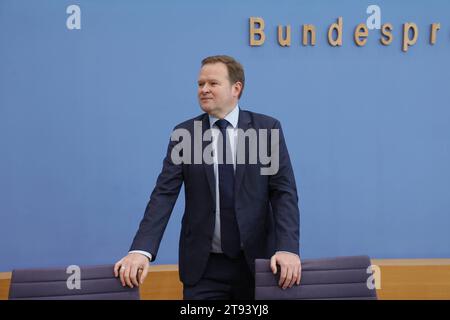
<point>96,282</point>
<point>327,278</point>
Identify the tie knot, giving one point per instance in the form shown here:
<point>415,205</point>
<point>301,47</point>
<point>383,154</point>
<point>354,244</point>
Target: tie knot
<point>222,124</point>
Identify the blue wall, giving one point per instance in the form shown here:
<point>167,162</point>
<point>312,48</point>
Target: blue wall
<point>85,117</point>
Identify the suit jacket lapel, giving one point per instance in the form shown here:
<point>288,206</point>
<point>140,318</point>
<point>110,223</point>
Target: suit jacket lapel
<point>244,123</point>
<point>209,168</point>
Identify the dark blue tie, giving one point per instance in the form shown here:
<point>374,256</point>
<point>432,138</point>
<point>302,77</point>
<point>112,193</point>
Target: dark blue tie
<point>229,230</point>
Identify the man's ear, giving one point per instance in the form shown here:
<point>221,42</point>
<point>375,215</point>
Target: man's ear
<point>237,88</point>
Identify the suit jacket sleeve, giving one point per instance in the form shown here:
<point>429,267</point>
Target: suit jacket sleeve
<point>284,200</point>
<point>160,206</point>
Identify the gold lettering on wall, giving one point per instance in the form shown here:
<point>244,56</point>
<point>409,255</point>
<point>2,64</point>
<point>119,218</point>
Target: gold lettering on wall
<point>308,34</point>
<point>434,28</point>
<point>257,28</point>
<point>284,41</point>
<point>338,27</point>
<point>309,29</point>
<point>386,31</point>
<point>407,41</point>
<point>361,33</point>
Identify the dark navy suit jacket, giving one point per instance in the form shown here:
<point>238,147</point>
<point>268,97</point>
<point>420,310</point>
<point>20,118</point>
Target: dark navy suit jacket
<point>266,206</point>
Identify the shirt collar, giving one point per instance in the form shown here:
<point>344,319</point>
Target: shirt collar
<point>231,117</point>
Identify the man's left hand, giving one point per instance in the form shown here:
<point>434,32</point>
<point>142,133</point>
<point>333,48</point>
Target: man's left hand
<point>290,268</point>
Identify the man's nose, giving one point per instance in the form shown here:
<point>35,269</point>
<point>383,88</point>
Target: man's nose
<point>204,88</point>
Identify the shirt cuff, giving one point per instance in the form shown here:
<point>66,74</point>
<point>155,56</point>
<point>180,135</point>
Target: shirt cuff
<point>287,252</point>
<point>145,253</point>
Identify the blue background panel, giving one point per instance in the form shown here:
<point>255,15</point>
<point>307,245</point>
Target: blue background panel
<point>86,115</point>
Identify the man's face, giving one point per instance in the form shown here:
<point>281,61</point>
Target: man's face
<point>216,95</point>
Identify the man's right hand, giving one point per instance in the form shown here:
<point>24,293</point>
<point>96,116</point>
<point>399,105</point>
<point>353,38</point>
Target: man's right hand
<point>132,269</point>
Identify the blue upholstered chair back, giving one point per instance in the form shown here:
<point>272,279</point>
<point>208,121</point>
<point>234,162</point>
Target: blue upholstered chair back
<point>330,278</point>
<point>96,283</point>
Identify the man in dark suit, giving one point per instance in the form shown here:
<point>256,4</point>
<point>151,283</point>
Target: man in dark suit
<point>237,209</point>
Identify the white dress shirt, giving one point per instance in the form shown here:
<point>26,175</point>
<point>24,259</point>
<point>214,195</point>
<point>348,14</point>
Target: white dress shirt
<point>232,118</point>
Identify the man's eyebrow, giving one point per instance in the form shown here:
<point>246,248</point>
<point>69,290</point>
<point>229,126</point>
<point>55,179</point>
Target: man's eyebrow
<point>208,80</point>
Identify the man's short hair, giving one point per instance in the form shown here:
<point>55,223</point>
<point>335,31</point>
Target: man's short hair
<point>235,69</point>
